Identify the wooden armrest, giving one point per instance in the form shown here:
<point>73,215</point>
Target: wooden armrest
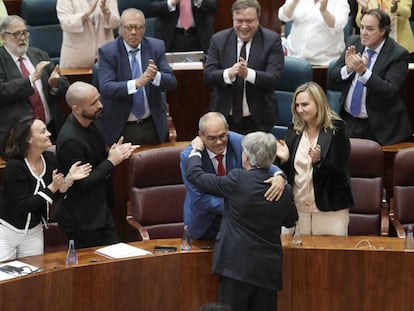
<point>136,225</point>
<point>385,220</point>
<point>172,132</point>
<point>399,229</point>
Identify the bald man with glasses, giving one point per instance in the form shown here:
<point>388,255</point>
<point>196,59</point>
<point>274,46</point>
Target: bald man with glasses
<point>29,82</point>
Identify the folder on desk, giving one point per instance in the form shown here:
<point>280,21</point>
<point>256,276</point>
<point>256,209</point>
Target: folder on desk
<point>185,57</point>
<point>186,60</point>
<point>121,250</point>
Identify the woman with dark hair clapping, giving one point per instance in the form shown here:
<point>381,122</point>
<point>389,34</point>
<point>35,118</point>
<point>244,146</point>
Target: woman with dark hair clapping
<point>31,183</point>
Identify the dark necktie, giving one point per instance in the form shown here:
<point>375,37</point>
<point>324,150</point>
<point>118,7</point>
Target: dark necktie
<point>359,87</point>
<point>35,100</point>
<point>238,91</point>
<point>221,171</point>
<point>138,102</point>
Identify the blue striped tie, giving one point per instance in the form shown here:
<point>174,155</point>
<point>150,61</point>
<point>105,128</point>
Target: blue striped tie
<point>138,101</point>
<point>359,87</point>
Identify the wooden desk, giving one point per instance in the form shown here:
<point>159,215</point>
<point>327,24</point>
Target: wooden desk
<point>331,273</point>
<point>326,273</point>
<point>173,281</point>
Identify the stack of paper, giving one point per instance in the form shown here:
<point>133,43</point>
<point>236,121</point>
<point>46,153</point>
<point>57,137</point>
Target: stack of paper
<point>121,250</point>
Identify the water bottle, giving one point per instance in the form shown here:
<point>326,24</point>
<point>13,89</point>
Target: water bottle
<point>409,240</point>
<point>72,256</point>
<point>297,239</point>
<point>186,241</point>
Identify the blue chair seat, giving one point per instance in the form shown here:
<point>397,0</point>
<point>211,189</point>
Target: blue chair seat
<point>296,71</point>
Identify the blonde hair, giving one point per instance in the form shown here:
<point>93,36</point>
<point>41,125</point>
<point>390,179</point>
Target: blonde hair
<point>325,116</point>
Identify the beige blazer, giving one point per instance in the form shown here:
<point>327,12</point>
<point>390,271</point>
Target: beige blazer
<point>81,40</point>
<point>405,35</point>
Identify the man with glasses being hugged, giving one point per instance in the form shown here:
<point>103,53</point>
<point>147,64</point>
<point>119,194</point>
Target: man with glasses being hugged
<point>133,74</point>
<point>222,152</point>
<point>29,82</point>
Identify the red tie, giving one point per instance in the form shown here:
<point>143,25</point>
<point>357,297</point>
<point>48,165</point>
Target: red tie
<point>185,14</point>
<point>221,171</point>
<point>35,99</point>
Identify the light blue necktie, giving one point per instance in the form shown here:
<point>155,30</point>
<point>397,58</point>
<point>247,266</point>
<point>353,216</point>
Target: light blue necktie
<point>138,102</point>
<point>359,87</point>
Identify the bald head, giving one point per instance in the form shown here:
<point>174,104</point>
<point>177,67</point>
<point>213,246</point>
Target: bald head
<point>78,93</point>
<point>83,100</point>
<point>212,117</point>
<point>131,12</point>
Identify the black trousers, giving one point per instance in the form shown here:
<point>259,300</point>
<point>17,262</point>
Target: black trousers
<point>185,40</point>
<point>141,132</point>
<point>358,128</point>
<point>241,296</point>
<point>244,127</point>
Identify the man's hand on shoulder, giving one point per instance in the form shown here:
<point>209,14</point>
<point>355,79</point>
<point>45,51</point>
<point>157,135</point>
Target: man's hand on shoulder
<point>197,144</point>
<point>276,188</point>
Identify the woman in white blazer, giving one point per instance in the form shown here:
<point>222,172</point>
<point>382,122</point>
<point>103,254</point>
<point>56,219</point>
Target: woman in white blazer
<point>86,25</point>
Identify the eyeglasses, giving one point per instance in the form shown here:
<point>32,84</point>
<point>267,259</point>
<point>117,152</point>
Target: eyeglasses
<point>137,28</point>
<point>220,137</point>
<point>18,34</point>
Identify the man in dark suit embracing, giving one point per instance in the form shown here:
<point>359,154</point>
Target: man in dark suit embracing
<point>244,65</point>
<point>248,251</point>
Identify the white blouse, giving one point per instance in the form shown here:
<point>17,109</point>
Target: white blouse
<point>310,38</point>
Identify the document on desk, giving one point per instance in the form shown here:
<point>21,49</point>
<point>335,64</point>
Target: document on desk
<point>13,269</point>
<point>121,250</point>
<point>192,60</point>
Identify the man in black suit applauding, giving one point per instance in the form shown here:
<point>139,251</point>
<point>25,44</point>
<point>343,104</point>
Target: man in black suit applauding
<point>371,72</point>
<point>248,251</point>
<point>244,66</point>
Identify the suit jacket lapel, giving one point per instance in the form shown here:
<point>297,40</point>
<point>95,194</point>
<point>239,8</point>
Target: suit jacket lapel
<point>324,140</point>
<point>125,65</point>
<point>230,57</point>
<point>145,56</point>
<point>10,64</point>
<point>255,48</point>
<point>207,164</point>
<point>34,58</point>
<point>383,56</point>
<point>230,158</point>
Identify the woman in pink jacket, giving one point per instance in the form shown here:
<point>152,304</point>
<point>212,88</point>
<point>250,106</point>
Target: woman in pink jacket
<point>86,25</point>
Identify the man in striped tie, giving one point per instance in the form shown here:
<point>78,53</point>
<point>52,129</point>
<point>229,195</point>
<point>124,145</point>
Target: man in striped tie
<point>133,77</point>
